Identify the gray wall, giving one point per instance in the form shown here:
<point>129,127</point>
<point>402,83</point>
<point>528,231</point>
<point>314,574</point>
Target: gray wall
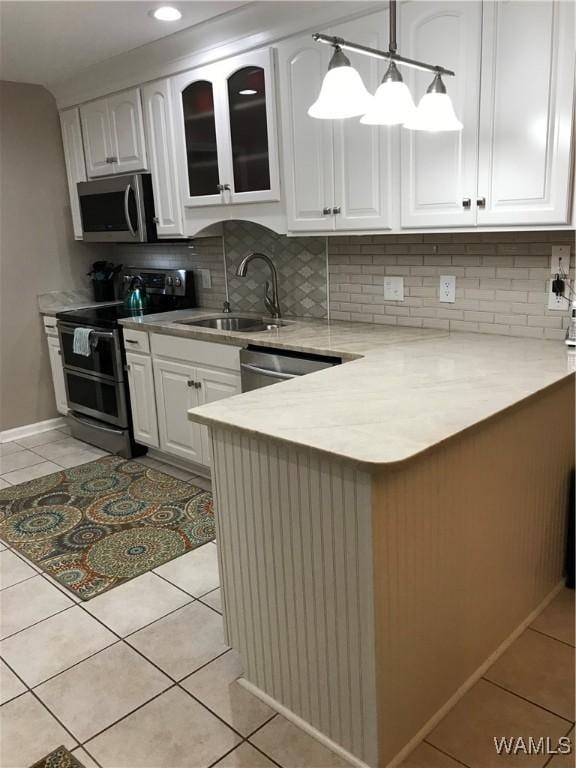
<point>37,249</point>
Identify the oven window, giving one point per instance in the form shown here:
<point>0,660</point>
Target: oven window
<point>93,396</point>
<point>101,361</point>
<point>105,212</point>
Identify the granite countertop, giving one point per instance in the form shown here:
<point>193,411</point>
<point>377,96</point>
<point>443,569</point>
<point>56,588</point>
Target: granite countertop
<point>403,390</point>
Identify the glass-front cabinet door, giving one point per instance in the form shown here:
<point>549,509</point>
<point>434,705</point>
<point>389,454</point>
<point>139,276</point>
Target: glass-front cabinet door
<point>226,139</point>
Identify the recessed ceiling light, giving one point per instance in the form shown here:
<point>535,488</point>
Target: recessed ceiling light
<point>167,13</point>
<point>248,92</point>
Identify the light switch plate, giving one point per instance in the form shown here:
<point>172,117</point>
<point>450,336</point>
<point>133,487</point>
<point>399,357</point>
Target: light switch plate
<point>560,259</point>
<point>447,290</point>
<point>393,289</point>
<point>561,303</point>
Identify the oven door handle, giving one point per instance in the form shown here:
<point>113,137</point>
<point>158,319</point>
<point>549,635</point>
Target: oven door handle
<point>127,209</point>
<point>267,372</point>
<point>103,334</point>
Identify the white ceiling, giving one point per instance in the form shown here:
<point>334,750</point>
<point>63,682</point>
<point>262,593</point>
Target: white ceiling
<point>48,41</point>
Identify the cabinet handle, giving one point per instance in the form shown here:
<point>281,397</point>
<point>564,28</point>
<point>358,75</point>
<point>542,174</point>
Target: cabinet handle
<point>336,210</point>
<point>197,384</point>
<point>222,187</point>
<point>191,383</point>
<point>481,202</point>
<point>326,211</point>
<point>130,341</point>
<point>60,352</point>
<point>156,220</point>
<point>466,203</point>
<point>127,366</point>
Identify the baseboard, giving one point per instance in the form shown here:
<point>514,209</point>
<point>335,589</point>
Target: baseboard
<point>472,680</point>
<point>434,720</point>
<point>176,461</point>
<point>289,715</point>
<point>31,429</point>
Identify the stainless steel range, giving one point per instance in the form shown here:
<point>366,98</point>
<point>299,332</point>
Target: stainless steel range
<point>96,384</point>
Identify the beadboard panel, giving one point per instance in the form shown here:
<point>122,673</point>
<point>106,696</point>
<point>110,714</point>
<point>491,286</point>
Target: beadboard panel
<point>295,536</point>
<point>469,539</point>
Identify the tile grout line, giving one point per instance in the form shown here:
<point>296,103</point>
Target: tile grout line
<point>528,701</point>
<point>551,637</point>
<point>442,752</point>
<point>35,624</point>
<point>552,756</point>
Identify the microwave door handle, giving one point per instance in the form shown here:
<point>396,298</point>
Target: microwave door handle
<point>127,209</point>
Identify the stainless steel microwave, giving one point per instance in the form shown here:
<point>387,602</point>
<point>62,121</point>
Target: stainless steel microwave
<point>118,209</point>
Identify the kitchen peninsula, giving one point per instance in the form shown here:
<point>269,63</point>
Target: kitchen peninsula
<point>386,526</point>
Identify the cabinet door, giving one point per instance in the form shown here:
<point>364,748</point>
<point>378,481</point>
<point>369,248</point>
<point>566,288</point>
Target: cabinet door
<point>364,182</point>
<point>250,144</point>
<point>57,374</point>
<point>158,120</point>
<point>439,170</point>
<point>97,138</point>
<point>307,145</point>
<point>214,385</point>
<point>175,395</point>
<point>526,112</point>
<point>142,399</point>
<point>74,158</point>
<point>127,131</point>
<point>196,129</point>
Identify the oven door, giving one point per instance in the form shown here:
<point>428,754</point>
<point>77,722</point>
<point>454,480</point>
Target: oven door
<point>112,210</point>
<point>91,395</point>
<point>105,359</point>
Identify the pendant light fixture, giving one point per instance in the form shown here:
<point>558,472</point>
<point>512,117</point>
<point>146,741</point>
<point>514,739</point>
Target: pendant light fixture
<point>343,94</point>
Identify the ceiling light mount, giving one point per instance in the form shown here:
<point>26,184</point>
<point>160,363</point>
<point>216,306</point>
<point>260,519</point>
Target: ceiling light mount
<point>166,13</point>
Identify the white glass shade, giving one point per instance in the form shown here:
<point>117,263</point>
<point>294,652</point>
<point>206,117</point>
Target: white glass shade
<point>435,113</point>
<point>343,94</point>
<point>392,105</point>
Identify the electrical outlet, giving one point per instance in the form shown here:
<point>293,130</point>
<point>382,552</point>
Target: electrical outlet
<point>447,292</point>
<point>560,259</point>
<point>394,289</point>
<point>205,278</point>
<point>561,303</point>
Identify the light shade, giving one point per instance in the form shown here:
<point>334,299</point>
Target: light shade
<point>343,94</point>
<point>392,103</point>
<point>167,13</point>
<point>435,111</point>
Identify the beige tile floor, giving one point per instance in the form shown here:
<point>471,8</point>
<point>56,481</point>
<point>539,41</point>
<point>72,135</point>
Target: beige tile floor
<point>140,677</point>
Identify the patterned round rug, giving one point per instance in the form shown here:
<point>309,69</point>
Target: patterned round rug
<point>95,526</point>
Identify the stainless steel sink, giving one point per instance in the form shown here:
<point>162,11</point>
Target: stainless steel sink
<point>232,323</point>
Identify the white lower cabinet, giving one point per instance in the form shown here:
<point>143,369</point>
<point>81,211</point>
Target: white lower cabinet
<point>55,355</point>
<point>214,385</point>
<point>142,399</point>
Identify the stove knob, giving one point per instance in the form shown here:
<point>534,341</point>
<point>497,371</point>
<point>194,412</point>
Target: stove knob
<point>168,281</point>
<point>177,282</point>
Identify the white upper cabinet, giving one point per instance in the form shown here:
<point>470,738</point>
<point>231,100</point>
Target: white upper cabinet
<point>74,158</point>
<point>439,170</point>
<point>225,132</point>
<point>338,174</point>
<point>114,134</point>
<point>526,112</point>
<point>158,121</point>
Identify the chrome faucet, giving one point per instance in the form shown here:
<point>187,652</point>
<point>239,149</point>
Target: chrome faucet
<point>271,295</point>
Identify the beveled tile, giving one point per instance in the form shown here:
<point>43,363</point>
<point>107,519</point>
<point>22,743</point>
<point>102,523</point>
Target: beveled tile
<point>7,448</point>
<point>172,731</point>
<point>29,732</point>
<point>558,618</point>
<point>75,458</point>
<point>196,571</point>
<point>32,473</point>
<point>55,450</point>
<point>215,685</point>
<point>486,711</point>
<point>293,748</point>
<point>10,686</point>
<point>94,694</point>
<point>18,460</point>
<point>426,756</point>
<point>28,602</point>
<point>214,599</point>
<point>13,569</point>
<point>42,438</point>
<point>245,756</point>
<point>540,669</point>
<point>182,641</point>
<point>136,603</point>
<point>565,760</point>
<point>55,644</point>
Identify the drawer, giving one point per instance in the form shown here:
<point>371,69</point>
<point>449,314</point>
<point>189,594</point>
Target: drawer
<point>136,341</point>
<point>50,325</point>
<point>197,352</point>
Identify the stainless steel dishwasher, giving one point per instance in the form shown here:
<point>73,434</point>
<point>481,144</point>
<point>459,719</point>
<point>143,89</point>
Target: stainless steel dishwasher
<point>261,367</point>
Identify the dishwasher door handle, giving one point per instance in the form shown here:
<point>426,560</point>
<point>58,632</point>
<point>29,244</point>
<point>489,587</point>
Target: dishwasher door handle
<point>267,372</point>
